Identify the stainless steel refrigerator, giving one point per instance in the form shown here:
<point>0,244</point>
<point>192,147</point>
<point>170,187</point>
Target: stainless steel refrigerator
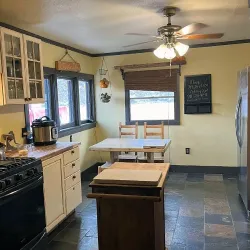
<point>243,136</point>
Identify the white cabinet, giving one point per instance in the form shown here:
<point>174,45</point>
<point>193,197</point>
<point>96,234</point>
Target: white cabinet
<point>53,192</point>
<point>21,68</point>
<point>34,69</point>
<point>62,186</point>
<point>13,68</point>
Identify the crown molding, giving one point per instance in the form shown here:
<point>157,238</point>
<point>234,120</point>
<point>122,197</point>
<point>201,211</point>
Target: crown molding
<point>47,40</point>
<point>44,39</point>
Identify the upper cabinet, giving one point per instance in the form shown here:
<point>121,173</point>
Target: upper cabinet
<point>22,70</point>
<point>33,61</point>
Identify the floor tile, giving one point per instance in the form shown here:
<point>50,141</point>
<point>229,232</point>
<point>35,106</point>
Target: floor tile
<point>169,213</point>
<point>216,230</point>
<point>213,177</point>
<point>216,246</point>
<point>184,235</point>
<point>88,243</point>
<point>242,227</point>
<point>220,241</point>
<point>168,238</point>
<point>191,211</point>
<point>193,222</point>
<point>57,245</point>
<point>195,177</point>
<point>177,247</point>
<point>243,240</point>
<point>186,195</point>
<point>195,246</point>
<point>218,219</point>
<point>217,206</point>
<point>170,224</point>
<point>93,232</point>
<point>70,235</point>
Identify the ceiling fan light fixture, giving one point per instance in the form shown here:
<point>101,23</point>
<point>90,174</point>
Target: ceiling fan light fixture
<point>170,53</point>
<point>160,51</point>
<point>181,48</point>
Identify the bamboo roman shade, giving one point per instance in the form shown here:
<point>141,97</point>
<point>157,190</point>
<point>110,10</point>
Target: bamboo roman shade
<point>152,80</point>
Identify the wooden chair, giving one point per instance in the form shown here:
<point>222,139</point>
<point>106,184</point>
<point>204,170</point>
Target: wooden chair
<point>131,131</point>
<point>153,131</point>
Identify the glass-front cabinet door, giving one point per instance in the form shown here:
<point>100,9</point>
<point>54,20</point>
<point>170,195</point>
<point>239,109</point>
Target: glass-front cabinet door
<point>32,48</point>
<point>13,67</point>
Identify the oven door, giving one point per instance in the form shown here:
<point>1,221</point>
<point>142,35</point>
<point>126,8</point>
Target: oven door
<point>22,215</point>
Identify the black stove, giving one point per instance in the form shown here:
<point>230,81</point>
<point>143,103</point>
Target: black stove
<point>15,170</point>
<point>22,212</point>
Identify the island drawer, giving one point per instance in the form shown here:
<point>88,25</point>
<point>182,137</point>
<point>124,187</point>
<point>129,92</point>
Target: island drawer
<point>73,197</point>
<point>72,180</point>
<point>71,168</point>
<point>71,155</point>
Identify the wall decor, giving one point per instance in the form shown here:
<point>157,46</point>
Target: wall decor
<point>67,66</point>
<point>197,94</point>
<point>105,83</point>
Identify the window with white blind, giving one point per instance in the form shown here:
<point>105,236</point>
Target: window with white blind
<point>152,96</point>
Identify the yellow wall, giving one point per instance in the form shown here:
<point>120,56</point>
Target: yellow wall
<point>211,137</point>
<point>12,116</point>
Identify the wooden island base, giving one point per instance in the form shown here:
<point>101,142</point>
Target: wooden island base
<point>131,217</point>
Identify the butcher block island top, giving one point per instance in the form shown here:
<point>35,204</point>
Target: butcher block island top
<point>46,152</point>
<point>129,177</point>
<point>131,216</point>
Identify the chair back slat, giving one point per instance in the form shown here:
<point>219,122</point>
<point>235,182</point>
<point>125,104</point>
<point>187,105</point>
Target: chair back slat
<point>133,130</point>
<point>158,133</point>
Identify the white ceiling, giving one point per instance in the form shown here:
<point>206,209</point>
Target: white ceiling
<point>98,26</point>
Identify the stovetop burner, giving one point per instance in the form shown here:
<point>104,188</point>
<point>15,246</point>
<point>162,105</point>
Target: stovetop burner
<point>17,169</point>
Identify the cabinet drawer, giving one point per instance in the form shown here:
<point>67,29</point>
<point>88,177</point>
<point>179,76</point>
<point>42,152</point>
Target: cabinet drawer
<point>71,155</point>
<point>72,180</point>
<point>71,168</point>
<point>73,197</point>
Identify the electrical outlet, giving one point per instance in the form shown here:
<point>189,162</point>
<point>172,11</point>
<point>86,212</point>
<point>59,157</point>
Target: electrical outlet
<point>187,151</point>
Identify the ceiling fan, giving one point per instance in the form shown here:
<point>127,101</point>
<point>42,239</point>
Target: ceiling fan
<point>170,35</point>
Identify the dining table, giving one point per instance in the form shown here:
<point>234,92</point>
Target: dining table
<point>117,145</point>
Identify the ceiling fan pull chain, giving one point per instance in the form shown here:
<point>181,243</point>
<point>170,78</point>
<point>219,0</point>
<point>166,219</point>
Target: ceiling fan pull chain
<point>170,64</point>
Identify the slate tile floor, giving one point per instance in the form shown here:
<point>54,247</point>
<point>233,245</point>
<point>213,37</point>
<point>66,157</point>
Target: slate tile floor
<point>202,212</point>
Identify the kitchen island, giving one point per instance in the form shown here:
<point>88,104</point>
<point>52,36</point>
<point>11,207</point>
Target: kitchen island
<point>131,216</point>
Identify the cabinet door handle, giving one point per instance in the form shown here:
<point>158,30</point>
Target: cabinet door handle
<point>73,188</point>
<point>73,165</point>
<point>72,152</point>
<point>73,177</point>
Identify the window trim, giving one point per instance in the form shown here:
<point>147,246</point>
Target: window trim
<point>78,125</point>
<point>176,121</point>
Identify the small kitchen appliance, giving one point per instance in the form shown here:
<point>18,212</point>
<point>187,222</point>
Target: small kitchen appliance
<point>44,131</point>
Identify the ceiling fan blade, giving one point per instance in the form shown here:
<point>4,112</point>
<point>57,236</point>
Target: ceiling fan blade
<point>139,34</point>
<point>126,46</point>
<point>191,28</point>
<point>202,36</point>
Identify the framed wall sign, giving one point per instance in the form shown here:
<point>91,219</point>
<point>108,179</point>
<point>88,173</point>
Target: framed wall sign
<point>197,94</point>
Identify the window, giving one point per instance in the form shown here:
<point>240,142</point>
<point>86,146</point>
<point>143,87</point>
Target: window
<point>69,101</point>
<point>41,109</point>
<point>152,96</point>
<point>151,105</point>
<point>65,102</point>
<point>83,100</point>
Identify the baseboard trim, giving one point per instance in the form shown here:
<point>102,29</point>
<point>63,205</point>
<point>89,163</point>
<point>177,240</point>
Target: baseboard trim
<point>90,173</point>
<point>204,169</point>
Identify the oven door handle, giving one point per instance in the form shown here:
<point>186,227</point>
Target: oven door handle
<point>25,188</point>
